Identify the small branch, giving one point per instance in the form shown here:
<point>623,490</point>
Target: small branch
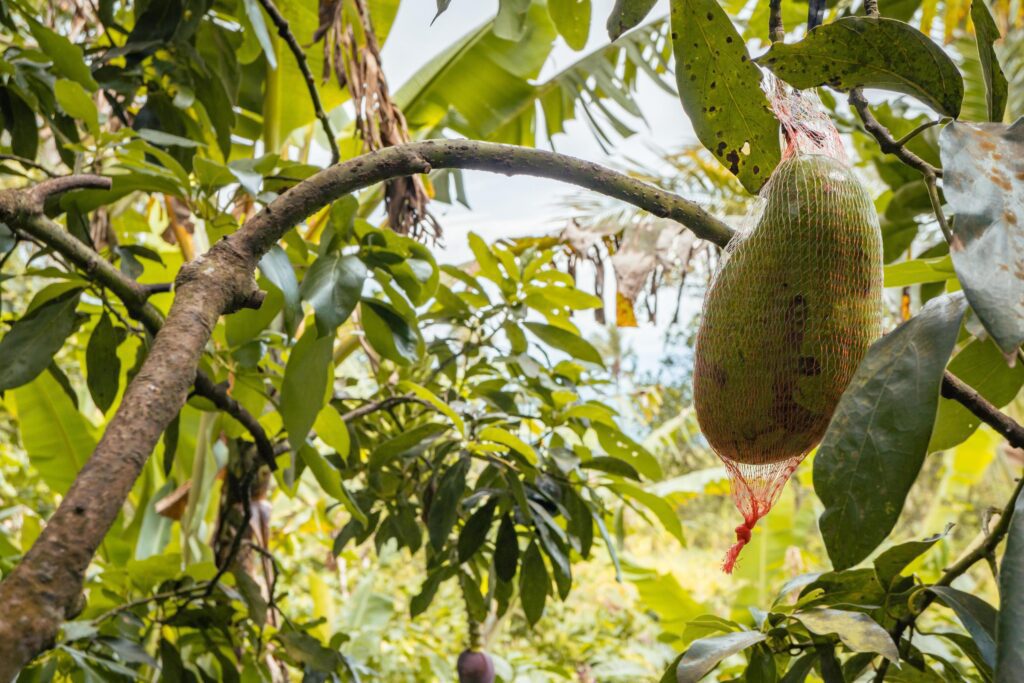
<point>871,8</point>
<point>933,197</point>
<point>954,388</point>
<point>984,550</point>
<point>886,142</point>
<point>918,130</point>
<point>219,396</point>
<point>383,404</point>
<point>776,29</point>
<point>157,288</point>
<point>285,32</point>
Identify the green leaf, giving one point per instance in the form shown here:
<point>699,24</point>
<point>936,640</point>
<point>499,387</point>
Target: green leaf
<point>444,508</point>
<point>474,533</point>
<point>878,437</point>
<point>507,438</point>
<point>891,563</point>
<point>720,88</point>
<point>704,654</point>
<point>564,340</point>
<point>534,584</point>
<point>871,52</point>
<point>982,164</point>
<point>333,286</point>
<point>986,33</point>
<point>626,14</point>
<point>255,16</point>
<point>981,366</point>
<point>330,479</point>
<point>620,446</point>
<point>506,549</point>
<point>388,332</point>
<point>511,22</point>
<point>102,364</point>
<point>30,344</point>
<point>162,139</point>
<point>977,616</point>
<point>56,437</point>
<point>1010,630</point>
<point>665,513</point>
<point>332,430</point>
<point>68,59</point>
<point>77,103</point>
<point>611,466</point>
<point>857,631</point>
<point>572,19</point>
<point>304,387</point>
<point>431,398</point>
<point>800,668</point>
<point>276,267</point>
<point>917,271</point>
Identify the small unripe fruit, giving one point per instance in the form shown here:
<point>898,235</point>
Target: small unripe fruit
<point>475,667</point>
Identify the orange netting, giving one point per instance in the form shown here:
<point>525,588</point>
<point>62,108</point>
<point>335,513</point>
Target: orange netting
<point>789,314</point>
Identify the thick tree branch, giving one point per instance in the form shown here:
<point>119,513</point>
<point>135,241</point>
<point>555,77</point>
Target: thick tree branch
<point>286,34</point>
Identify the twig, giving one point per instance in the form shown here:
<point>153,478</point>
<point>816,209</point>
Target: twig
<point>157,288</point>
<point>954,388</point>
<point>383,404</point>
<point>984,550</point>
<point>886,142</point>
<point>918,130</point>
<point>871,8</point>
<point>285,32</point>
<point>776,29</point>
<point>933,197</point>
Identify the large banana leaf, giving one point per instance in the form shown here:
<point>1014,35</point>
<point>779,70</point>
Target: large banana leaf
<point>483,87</point>
<point>56,437</point>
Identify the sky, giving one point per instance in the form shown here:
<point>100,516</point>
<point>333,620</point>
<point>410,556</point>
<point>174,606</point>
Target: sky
<point>517,206</point>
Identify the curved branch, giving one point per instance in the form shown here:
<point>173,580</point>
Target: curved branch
<point>285,32</point>
<point>886,142</point>
<point>264,229</point>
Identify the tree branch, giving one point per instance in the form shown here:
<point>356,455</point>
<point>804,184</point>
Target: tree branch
<point>285,32</point>
<point>956,389</point>
<point>886,142</point>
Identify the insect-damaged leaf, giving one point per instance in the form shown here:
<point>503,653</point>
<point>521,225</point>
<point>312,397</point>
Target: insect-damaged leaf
<point>875,53</point>
<point>720,89</point>
<point>878,437</point>
<point>626,14</point>
<point>983,179</point>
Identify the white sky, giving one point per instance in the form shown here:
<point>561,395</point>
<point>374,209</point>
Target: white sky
<point>508,207</point>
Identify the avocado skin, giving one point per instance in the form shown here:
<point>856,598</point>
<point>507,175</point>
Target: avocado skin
<point>790,315</point>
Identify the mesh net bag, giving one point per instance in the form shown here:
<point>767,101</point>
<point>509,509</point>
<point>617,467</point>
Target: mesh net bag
<point>789,314</point>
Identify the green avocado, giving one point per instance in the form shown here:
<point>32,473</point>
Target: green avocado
<point>789,315</point>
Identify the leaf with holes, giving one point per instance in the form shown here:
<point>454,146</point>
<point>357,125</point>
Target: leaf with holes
<point>720,88</point>
<point>874,53</point>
